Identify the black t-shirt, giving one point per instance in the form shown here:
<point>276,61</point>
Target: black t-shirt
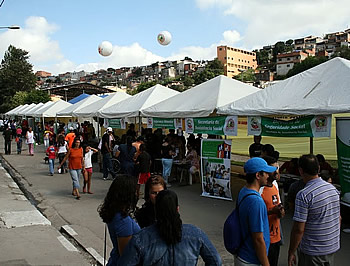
<point>7,135</point>
<point>166,152</point>
<point>145,162</point>
<point>146,215</point>
<point>255,150</point>
<point>105,139</point>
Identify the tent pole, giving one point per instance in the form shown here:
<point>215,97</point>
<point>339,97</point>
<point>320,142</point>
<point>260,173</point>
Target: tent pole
<point>98,128</point>
<point>311,145</point>
<point>140,123</point>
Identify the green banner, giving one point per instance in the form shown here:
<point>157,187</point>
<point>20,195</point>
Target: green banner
<point>155,122</point>
<point>307,126</point>
<point>115,123</point>
<point>294,128</point>
<point>343,152</point>
<point>219,125</point>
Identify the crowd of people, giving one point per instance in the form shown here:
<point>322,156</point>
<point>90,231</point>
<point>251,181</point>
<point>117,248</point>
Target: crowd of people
<point>154,234</point>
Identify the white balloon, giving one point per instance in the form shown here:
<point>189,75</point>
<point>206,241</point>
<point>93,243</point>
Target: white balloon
<point>164,37</point>
<point>105,48</point>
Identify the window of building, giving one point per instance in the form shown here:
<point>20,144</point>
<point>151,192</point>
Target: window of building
<point>220,49</point>
<point>288,58</point>
<point>279,59</point>
<point>288,65</point>
<point>225,57</point>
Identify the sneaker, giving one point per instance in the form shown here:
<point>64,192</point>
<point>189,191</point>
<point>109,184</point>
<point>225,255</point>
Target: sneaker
<point>50,174</point>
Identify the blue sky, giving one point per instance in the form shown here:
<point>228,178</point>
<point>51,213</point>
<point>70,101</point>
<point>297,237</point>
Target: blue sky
<point>64,35</point>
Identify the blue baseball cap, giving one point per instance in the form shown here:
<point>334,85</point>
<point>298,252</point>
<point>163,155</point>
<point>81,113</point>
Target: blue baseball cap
<point>257,164</point>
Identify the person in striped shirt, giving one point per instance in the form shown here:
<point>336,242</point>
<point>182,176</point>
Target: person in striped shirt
<point>316,228</point>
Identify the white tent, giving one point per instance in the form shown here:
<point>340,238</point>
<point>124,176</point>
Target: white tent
<point>38,112</point>
<point>132,106</point>
<point>92,110</point>
<point>52,109</point>
<point>323,89</point>
<point>31,111</point>
<point>201,100</point>
<point>68,111</point>
<point>24,110</point>
<point>36,107</point>
<point>19,109</point>
<point>12,111</point>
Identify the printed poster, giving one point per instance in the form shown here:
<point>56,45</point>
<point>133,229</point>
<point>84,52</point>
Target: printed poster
<point>216,168</point>
<point>343,153</point>
<point>307,126</point>
<point>114,123</point>
<point>154,122</point>
<point>218,125</point>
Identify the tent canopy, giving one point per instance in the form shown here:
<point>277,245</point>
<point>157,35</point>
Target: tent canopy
<point>24,110</point>
<point>79,98</point>
<point>109,100</point>
<point>12,111</point>
<point>31,110</point>
<point>52,109</point>
<point>201,100</point>
<point>38,112</point>
<point>323,89</point>
<point>132,106</point>
<point>68,111</point>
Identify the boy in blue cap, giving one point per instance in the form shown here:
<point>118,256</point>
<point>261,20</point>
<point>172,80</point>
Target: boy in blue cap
<point>254,224</point>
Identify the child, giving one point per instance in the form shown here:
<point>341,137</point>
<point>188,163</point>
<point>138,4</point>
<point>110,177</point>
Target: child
<point>51,153</point>
<point>19,144</point>
<point>88,151</point>
<point>144,163</point>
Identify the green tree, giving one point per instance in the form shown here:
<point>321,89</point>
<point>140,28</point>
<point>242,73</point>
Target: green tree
<point>146,85</point>
<point>18,99</point>
<point>37,96</point>
<point>188,81</point>
<point>246,76</point>
<point>306,64</point>
<point>343,52</point>
<point>16,74</point>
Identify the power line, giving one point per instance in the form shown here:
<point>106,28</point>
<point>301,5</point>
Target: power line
<point>2,3</point>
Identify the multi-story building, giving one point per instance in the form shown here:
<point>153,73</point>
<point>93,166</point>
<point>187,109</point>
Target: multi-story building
<point>309,42</point>
<point>236,60</point>
<point>286,61</point>
<point>42,74</point>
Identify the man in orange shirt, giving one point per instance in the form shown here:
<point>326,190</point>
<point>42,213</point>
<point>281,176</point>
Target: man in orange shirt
<point>275,211</point>
<point>70,137</point>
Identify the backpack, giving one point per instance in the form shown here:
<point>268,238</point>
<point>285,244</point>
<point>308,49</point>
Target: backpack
<point>232,230</point>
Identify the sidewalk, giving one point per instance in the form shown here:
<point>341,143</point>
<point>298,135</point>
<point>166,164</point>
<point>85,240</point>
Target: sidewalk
<point>27,237</point>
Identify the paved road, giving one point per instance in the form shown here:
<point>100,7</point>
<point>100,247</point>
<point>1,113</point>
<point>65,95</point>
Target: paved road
<point>80,218</point>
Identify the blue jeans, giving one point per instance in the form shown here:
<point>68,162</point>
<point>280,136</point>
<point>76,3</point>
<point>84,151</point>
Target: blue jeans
<point>75,173</point>
<point>51,165</point>
<point>107,165</point>
<point>167,164</point>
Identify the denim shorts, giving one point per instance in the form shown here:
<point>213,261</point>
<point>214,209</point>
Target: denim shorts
<point>75,174</point>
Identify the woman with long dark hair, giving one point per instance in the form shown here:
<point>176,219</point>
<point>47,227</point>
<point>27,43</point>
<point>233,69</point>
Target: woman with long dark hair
<point>146,216</point>
<point>115,212</point>
<point>169,242</point>
<point>75,165</point>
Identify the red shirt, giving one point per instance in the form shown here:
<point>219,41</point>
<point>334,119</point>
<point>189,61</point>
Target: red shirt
<point>51,152</point>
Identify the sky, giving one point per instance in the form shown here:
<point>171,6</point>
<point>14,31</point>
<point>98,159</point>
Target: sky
<point>63,36</point>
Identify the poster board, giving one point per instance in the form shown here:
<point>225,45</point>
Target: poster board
<point>343,152</point>
<point>216,168</point>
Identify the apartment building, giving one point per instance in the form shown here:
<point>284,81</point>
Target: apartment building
<point>309,42</point>
<point>235,60</point>
<point>286,61</point>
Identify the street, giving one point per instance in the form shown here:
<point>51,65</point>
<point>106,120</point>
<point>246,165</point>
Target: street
<point>79,220</point>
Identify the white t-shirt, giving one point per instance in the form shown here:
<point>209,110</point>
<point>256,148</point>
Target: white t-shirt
<point>30,137</point>
<point>63,149</point>
<point>87,159</point>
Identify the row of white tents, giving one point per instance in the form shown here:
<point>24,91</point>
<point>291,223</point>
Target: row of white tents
<point>324,89</point>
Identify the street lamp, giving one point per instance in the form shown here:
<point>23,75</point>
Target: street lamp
<point>13,27</point>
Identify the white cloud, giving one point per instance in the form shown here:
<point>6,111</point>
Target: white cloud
<point>45,53</point>
<point>34,38</point>
<point>269,21</point>
<point>231,37</point>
